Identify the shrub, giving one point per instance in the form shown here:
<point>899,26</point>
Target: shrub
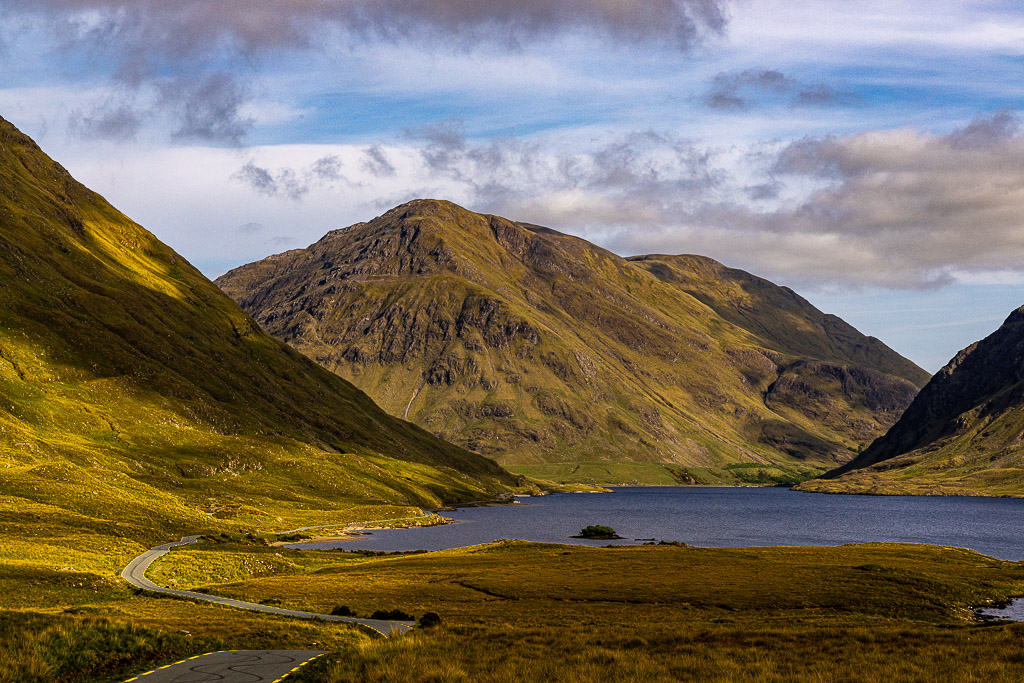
<point>392,615</point>
<point>598,531</point>
<point>430,619</point>
<point>343,611</point>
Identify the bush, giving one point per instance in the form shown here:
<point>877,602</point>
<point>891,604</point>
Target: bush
<point>598,531</point>
<point>430,619</point>
<point>343,611</point>
<point>392,615</point>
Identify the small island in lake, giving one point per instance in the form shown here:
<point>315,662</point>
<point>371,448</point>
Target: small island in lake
<point>597,531</point>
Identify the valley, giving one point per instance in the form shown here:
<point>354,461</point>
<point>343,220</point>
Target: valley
<point>138,403</point>
<point>468,341</point>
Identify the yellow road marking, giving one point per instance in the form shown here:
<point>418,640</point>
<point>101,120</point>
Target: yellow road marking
<point>170,665</point>
<point>217,653</point>
<point>298,667</point>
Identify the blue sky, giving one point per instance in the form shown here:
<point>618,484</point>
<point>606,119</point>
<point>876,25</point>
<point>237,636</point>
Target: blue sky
<point>868,155</point>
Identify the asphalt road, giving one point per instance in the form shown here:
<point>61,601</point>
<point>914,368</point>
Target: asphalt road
<point>135,574</point>
<point>232,666</point>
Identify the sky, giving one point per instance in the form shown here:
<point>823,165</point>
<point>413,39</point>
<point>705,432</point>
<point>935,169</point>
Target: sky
<point>869,155</point>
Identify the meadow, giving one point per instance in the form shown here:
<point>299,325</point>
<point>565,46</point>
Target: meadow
<point>517,611</point>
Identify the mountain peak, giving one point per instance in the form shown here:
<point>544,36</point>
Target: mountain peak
<point>531,345</point>
<point>434,217</point>
<point>964,425</point>
<point>1015,318</point>
<point>426,206</point>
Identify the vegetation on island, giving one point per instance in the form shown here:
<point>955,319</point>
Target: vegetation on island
<point>598,531</point>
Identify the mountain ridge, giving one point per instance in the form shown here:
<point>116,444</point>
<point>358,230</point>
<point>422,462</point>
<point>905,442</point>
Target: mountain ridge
<point>124,369</point>
<point>534,346</point>
<point>961,434</point>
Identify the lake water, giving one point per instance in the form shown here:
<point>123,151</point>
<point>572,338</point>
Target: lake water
<point>1012,612</point>
<point>726,517</point>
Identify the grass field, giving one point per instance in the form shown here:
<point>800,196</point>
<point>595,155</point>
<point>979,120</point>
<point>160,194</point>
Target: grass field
<point>121,638</point>
<point>510,610</point>
<point>627,473</point>
<point>516,611</point>
<point>651,474</point>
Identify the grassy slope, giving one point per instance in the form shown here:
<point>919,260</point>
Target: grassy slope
<point>138,403</point>
<point>962,433</point>
<point>563,360</point>
<point>779,317</point>
<point>516,611</point>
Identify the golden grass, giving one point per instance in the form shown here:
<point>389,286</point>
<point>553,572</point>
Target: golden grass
<point>516,611</point>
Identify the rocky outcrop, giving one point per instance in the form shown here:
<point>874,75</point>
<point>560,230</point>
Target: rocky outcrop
<point>825,392</point>
<point>536,347</point>
<point>968,420</point>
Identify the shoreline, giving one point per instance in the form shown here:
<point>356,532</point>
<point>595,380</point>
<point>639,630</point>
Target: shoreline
<point>356,530</point>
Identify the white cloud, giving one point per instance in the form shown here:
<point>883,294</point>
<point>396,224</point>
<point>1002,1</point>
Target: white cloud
<point>895,208</point>
<point>912,24</point>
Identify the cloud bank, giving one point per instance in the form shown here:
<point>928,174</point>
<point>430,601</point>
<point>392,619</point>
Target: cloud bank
<point>148,30</point>
<point>911,208</point>
<point>898,208</point>
<point>192,59</point>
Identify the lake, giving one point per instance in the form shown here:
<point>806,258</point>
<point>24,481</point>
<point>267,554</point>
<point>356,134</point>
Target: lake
<point>725,517</point>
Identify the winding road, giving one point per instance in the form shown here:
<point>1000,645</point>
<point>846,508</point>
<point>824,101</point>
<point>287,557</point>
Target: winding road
<point>135,574</point>
<point>232,666</point>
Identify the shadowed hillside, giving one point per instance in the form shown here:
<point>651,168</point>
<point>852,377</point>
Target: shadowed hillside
<point>132,389</point>
<point>561,359</point>
<point>962,434</point>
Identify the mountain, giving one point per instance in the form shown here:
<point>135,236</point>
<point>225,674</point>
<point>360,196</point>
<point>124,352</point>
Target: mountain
<point>132,388</point>
<point>962,434</point>
<point>563,360</point>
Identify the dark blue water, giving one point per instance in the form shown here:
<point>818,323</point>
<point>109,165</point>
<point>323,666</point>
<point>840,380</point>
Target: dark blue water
<point>727,517</point>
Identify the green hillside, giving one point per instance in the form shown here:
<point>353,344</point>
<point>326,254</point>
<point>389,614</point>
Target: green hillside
<point>563,360</point>
<point>137,400</point>
<point>961,435</point>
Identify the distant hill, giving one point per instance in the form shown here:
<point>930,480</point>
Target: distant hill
<point>563,360</point>
<point>132,388</point>
<point>962,434</point>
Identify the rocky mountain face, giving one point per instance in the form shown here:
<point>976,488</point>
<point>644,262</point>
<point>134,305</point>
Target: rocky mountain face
<point>962,434</point>
<point>563,360</point>
<point>129,379</point>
